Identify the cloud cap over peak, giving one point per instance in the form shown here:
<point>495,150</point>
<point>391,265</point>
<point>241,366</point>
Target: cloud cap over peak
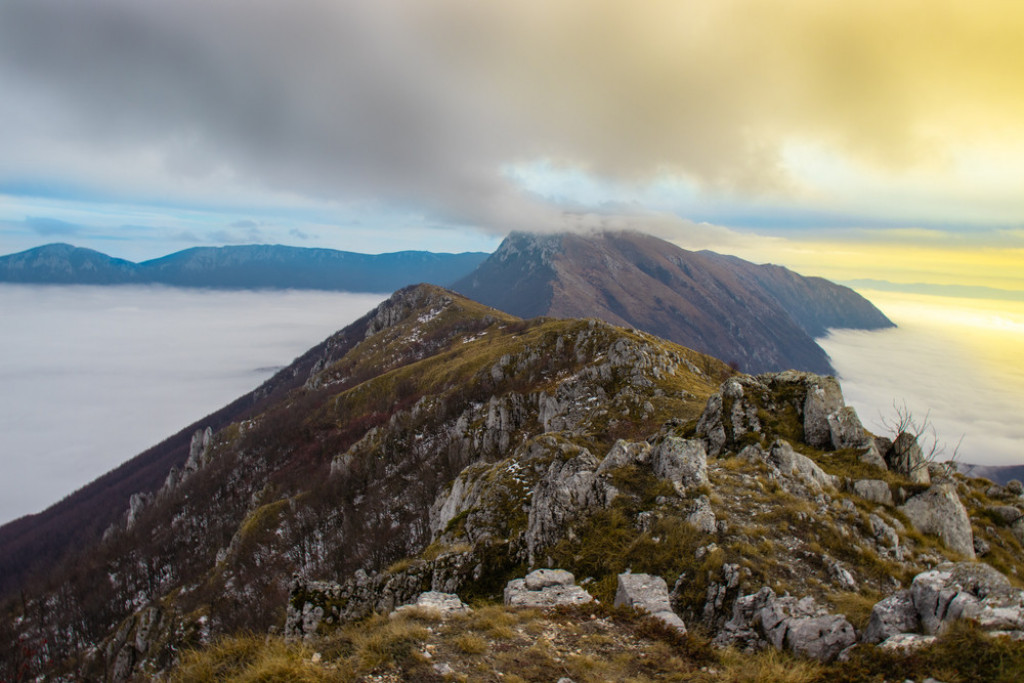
<point>427,104</point>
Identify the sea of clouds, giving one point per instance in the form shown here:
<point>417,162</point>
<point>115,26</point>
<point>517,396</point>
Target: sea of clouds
<point>91,376</point>
<point>955,363</point>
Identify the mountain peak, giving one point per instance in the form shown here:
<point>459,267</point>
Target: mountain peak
<point>763,318</point>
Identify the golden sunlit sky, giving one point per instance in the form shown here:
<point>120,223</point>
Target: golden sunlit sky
<point>875,140</point>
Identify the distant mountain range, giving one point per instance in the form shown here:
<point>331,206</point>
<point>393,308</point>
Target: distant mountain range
<point>760,317</point>
<point>241,267</point>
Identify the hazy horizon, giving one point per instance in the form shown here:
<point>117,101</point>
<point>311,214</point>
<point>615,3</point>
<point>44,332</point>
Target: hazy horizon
<point>94,375</point>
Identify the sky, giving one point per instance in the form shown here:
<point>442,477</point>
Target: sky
<point>878,140</point>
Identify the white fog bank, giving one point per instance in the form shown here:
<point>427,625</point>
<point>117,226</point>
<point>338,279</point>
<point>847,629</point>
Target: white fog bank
<point>958,361</point>
<point>91,376</point>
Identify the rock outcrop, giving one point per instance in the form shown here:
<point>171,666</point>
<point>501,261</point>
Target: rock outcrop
<point>545,588</point>
<point>939,511</point>
<point>649,594</point>
<point>965,590</point>
<point>799,625</point>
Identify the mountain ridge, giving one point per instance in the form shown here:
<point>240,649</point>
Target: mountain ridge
<point>439,444</point>
<point>240,267</point>
<point>761,317</point>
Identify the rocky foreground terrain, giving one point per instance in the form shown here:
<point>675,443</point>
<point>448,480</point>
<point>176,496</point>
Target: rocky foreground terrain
<point>454,451</point>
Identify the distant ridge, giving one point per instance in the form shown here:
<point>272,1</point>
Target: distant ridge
<point>761,317</point>
<point>241,267</point>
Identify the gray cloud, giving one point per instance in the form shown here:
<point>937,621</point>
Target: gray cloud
<point>134,372</point>
<point>938,377</point>
<point>422,105</point>
<point>49,227</point>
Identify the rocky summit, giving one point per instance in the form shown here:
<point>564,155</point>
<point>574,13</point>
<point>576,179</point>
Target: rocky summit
<point>454,493</point>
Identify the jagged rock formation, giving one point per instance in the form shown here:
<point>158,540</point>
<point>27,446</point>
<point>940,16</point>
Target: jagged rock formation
<point>439,445</point>
<point>763,318</point>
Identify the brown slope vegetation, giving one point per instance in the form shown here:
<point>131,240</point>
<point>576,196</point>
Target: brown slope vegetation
<point>338,474</point>
<point>760,317</point>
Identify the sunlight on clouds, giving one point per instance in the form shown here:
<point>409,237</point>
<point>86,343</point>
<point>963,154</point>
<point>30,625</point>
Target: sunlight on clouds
<point>956,360</point>
<point>900,261</point>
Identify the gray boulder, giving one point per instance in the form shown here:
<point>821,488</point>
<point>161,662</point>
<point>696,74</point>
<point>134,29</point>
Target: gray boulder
<point>793,464</point>
<point>567,488</point>
<point>873,455</point>
<point>702,517</point>
<point>939,511</point>
<point>954,591</point>
<point>444,604</point>
<point>625,453</point>
<point>824,399</point>
<point>894,615</point>
<point>905,456</point>
<point>518,594</point>
<point>540,579</point>
<point>650,594</point>
<point>845,429</point>
<point>874,490</point>
<point>799,625</point>
<point>683,462</point>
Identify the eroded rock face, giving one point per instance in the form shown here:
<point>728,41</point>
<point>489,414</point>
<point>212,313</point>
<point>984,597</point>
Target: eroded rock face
<point>567,488</point>
<point>650,594</point>
<point>799,625</point>
<point>954,591</point>
<point>964,590</point>
<point>939,511</point>
<point>554,588</point>
<point>733,414</point>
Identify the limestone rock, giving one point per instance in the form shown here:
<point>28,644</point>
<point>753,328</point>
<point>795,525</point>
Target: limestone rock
<point>545,578</point>
<point>683,462</point>
<point>800,625</point>
<point>791,463</point>
<point>874,490</point>
<point>906,642</point>
<point>905,456</point>
<point>882,532</point>
<point>845,429</point>
<point>824,400</point>
<point>566,489</point>
<point>873,456</point>
<point>953,591</point>
<point>939,511</point>
<point>518,594</point>
<point>650,594</point>
<point>445,604</point>
<point>889,617</point>
<point>625,453</point>
<point>702,517</point>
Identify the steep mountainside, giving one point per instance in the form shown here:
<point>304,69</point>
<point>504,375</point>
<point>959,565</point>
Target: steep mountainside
<point>761,317</point>
<point>438,444</point>
<point>241,267</point>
